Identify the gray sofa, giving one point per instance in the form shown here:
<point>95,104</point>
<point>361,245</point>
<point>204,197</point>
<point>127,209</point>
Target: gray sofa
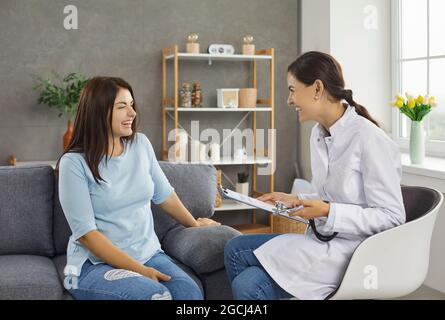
<point>34,233</point>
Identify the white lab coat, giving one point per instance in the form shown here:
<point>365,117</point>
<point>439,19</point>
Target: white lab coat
<point>357,169</point>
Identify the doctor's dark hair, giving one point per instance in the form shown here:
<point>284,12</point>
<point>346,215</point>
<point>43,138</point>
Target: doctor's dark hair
<point>93,122</point>
<point>314,65</point>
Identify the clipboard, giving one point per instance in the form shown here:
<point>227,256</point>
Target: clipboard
<point>278,209</point>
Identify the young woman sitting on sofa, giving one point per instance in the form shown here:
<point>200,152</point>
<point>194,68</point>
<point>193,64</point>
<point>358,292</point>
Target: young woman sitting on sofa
<point>108,176</point>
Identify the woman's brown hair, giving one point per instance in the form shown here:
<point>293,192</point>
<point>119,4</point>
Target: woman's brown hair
<point>314,65</point>
<point>93,122</point>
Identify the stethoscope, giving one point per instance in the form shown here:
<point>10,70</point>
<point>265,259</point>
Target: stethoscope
<point>280,208</point>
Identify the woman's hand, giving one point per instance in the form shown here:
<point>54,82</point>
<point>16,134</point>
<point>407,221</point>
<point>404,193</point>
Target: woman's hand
<point>288,200</point>
<point>312,209</point>
<point>154,274</point>
<point>206,222</point>
<point>176,209</point>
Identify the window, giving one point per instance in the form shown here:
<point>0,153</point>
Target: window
<point>419,65</point>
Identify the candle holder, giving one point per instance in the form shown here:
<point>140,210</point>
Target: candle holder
<point>248,46</point>
<point>192,46</point>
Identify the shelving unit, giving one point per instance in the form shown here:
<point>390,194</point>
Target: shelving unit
<point>216,109</point>
<point>229,205</point>
<point>220,57</point>
<point>227,161</point>
<point>170,106</point>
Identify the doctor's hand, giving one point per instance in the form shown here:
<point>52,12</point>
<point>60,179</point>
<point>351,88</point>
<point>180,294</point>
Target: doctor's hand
<point>312,209</point>
<point>288,200</point>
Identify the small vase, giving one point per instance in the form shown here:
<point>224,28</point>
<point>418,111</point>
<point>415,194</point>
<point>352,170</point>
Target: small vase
<point>68,135</point>
<point>417,142</point>
<point>242,188</point>
<point>247,97</point>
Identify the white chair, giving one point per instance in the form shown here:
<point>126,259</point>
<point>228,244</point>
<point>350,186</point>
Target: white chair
<point>399,255</point>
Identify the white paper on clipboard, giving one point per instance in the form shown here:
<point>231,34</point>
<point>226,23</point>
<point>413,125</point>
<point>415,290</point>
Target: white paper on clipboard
<point>229,194</point>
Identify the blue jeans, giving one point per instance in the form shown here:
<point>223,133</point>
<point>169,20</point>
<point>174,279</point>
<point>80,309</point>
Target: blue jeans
<point>103,282</point>
<point>248,278</point>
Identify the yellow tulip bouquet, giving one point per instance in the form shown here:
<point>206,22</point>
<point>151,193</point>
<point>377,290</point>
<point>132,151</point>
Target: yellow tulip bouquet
<point>415,108</point>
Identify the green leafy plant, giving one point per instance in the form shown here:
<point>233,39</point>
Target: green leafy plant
<point>243,177</point>
<point>65,96</point>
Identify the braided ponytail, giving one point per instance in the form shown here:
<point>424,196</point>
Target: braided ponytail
<point>361,110</point>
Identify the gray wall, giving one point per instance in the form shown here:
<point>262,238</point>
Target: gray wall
<point>371,44</point>
<point>124,38</point>
<point>341,32</point>
<point>312,39</point>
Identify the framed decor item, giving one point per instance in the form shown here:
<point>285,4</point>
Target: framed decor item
<point>227,98</point>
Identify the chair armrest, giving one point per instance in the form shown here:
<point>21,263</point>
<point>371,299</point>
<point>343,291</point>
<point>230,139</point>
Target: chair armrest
<point>201,248</point>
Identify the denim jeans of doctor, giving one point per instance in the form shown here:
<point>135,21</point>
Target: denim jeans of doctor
<point>103,282</point>
<point>248,278</point>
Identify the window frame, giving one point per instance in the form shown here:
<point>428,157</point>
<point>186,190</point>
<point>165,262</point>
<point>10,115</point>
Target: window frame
<point>435,148</point>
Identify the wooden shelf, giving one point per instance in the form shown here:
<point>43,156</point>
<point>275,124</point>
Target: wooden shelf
<point>252,228</point>
<point>231,205</point>
<point>171,109</point>
<point>218,57</point>
<point>216,109</point>
<point>228,161</point>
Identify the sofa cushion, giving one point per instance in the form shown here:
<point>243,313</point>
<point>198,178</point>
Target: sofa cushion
<point>202,248</point>
<point>61,229</point>
<point>217,285</point>
<point>60,263</point>
<point>27,277</point>
<point>195,185</point>
<point>26,210</point>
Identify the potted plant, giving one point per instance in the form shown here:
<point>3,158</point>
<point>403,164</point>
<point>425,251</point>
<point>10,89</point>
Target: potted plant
<point>242,186</point>
<point>416,109</point>
<point>63,97</point>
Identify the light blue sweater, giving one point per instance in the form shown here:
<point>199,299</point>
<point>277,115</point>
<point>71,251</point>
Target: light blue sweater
<point>119,208</point>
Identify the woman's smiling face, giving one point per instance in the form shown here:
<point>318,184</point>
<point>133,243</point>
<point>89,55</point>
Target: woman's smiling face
<point>304,98</point>
<point>123,114</point>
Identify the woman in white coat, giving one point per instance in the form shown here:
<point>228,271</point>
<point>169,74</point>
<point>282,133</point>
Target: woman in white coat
<point>356,173</point>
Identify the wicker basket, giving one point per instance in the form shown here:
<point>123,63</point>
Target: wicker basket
<point>285,225</point>
<point>218,199</point>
